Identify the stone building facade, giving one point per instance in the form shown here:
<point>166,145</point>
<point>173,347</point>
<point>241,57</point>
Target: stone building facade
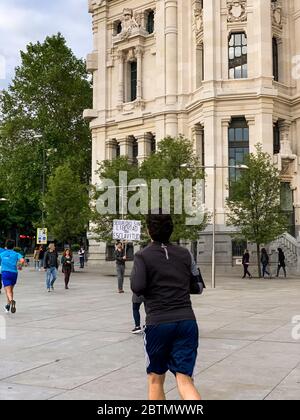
<point>225,73</point>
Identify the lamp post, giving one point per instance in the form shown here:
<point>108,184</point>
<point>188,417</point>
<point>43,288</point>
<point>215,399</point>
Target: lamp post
<point>213,257</point>
<point>39,136</point>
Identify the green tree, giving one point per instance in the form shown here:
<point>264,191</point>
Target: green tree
<point>50,90</point>
<point>67,205</point>
<point>254,202</point>
<point>102,224</point>
<point>166,164</point>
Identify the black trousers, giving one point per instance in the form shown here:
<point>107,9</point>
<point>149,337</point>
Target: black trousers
<point>246,271</point>
<point>136,314</point>
<point>67,273</point>
<point>279,268</point>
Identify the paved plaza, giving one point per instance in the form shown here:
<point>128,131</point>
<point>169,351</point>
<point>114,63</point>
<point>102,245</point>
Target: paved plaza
<point>77,344</point>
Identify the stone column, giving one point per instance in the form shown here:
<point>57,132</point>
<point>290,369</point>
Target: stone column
<point>260,60</point>
<point>144,143</point>
<point>139,56</point>
<point>285,141</point>
<point>225,153</point>
<point>126,147</point>
<point>121,78</point>
<point>171,41</point>
<point>111,149</point>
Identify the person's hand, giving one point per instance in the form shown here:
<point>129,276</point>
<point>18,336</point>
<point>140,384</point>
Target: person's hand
<point>124,258</point>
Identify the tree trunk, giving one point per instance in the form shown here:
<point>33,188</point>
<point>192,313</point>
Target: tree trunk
<point>258,260</point>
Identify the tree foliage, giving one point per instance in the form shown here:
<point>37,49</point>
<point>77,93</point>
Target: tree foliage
<point>254,202</point>
<point>47,97</point>
<point>165,164</point>
<point>66,205</point>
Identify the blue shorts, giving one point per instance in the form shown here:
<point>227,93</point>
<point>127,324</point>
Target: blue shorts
<point>9,278</point>
<point>172,347</point>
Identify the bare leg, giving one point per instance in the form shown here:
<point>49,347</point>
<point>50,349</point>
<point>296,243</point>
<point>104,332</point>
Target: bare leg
<point>156,387</point>
<point>9,290</point>
<point>186,388</point>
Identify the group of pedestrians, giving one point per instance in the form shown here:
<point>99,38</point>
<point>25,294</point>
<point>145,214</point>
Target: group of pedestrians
<point>11,262</point>
<point>265,263</point>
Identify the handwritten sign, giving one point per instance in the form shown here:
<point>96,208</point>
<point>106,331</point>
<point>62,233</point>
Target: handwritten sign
<point>127,230</point>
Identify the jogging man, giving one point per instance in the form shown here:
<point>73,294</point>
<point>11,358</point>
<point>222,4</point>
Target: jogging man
<point>162,274</point>
<point>10,261</point>
<point>1,250</point>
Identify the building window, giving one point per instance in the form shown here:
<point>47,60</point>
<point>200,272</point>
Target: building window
<point>118,150</point>
<point>153,145</point>
<point>276,138</point>
<point>238,67</point>
<point>150,22</point>
<point>238,135</point>
<point>275,59</point>
<point>238,248</point>
<point>135,150</point>
<point>133,80</point>
<point>117,27</point>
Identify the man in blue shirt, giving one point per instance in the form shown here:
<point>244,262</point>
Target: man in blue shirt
<point>10,261</point>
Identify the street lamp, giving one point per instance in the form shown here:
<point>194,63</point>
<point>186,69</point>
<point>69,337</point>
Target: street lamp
<point>39,136</point>
<point>3,200</point>
<point>215,167</point>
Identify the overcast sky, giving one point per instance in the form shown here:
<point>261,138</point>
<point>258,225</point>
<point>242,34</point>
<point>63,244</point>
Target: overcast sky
<point>24,21</point>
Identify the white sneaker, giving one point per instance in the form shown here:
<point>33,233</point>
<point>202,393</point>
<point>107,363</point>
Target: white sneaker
<point>7,308</point>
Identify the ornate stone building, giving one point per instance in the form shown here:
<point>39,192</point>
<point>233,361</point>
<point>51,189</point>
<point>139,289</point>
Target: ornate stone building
<point>225,73</point>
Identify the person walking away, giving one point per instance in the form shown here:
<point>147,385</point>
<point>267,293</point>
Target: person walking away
<point>81,254</point>
<point>120,265</point>
<point>10,262</point>
<point>137,302</point>
<point>281,262</point>
<point>265,262</point>
<point>67,261</point>
<point>36,258</point>
<point>41,257</point>
<point>246,262</point>
<point>162,274</point>
<point>1,250</point>
<point>51,267</point>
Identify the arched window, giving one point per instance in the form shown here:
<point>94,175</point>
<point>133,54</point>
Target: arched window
<point>238,56</point>
<point>238,136</point>
<point>117,27</point>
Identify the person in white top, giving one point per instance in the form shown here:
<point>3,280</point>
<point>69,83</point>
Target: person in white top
<point>81,254</point>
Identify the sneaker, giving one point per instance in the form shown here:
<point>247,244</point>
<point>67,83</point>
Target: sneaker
<point>52,288</point>
<point>49,290</point>
<point>136,330</point>
<point>13,307</point>
<point>7,308</point>
<point>121,291</point>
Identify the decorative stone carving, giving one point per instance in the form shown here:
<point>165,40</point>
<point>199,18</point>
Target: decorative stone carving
<point>128,24</point>
<point>276,10</point>
<point>94,4</point>
<point>198,25</point>
<point>236,10</point>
